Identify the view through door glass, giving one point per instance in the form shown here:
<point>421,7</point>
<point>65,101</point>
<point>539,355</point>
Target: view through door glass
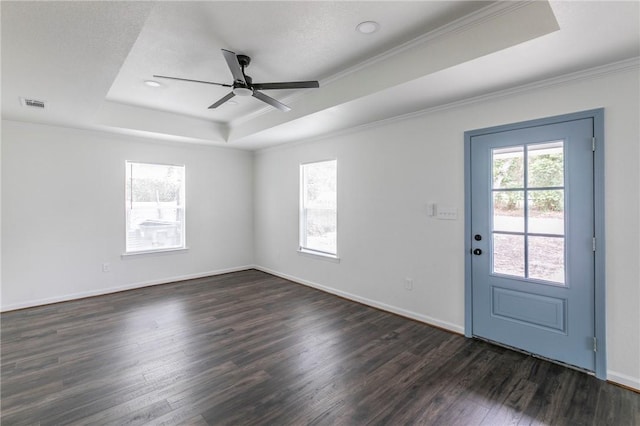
<point>528,211</point>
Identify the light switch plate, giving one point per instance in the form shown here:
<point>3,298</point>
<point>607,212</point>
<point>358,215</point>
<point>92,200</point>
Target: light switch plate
<point>447,213</point>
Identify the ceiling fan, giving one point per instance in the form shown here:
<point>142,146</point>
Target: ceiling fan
<point>243,85</point>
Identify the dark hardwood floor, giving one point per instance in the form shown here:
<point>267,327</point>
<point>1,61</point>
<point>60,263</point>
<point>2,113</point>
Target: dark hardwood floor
<point>250,348</point>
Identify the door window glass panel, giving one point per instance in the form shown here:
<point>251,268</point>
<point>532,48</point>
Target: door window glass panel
<point>508,254</point>
<point>508,211</point>
<point>545,165</point>
<point>546,211</point>
<point>508,167</point>
<point>546,258</point>
<point>533,173</point>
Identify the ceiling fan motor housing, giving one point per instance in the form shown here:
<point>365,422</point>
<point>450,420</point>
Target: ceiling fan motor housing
<point>240,89</point>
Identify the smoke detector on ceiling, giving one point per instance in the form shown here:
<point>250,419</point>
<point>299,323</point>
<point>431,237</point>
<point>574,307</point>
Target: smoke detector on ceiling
<point>33,103</point>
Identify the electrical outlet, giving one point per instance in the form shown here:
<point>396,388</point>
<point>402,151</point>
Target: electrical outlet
<point>106,267</point>
<point>408,284</point>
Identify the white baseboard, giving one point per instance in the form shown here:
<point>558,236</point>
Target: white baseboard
<point>103,291</point>
<point>369,302</point>
<point>624,380</point>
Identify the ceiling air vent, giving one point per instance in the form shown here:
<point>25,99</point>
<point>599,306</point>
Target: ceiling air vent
<point>33,103</point>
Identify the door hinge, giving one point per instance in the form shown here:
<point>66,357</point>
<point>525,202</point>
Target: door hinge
<point>595,344</point>
<point>593,243</point>
<point>593,144</point>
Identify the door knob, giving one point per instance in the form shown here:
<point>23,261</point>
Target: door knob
<point>477,252</point>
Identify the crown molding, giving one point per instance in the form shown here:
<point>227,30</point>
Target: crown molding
<point>589,73</point>
<point>461,24</point>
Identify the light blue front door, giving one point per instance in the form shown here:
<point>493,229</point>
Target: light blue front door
<point>532,239</point>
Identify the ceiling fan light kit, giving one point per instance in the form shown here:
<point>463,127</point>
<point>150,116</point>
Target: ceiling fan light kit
<point>243,84</point>
<point>242,91</point>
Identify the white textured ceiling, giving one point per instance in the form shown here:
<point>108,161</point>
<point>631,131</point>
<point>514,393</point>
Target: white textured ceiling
<point>287,41</point>
<point>64,53</point>
<point>89,60</point>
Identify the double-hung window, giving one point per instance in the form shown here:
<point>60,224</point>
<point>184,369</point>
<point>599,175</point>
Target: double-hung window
<point>318,208</point>
<point>155,207</point>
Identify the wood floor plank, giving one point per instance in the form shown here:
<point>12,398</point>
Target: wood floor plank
<point>251,348</point>
<point>510,411</point>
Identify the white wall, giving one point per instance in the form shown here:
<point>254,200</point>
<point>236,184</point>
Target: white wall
<point>63,213</point>
<point>388,173</point>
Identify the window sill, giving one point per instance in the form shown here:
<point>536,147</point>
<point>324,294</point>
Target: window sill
<point>148,253</point>
<point>319,255</point>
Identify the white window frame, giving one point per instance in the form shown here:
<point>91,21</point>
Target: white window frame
<point>182,207</point>
<point>302,249</point>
